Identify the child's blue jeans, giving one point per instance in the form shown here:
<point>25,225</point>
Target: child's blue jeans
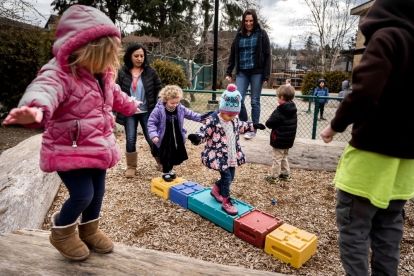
<point>86,190</point>
<point>224,183</point>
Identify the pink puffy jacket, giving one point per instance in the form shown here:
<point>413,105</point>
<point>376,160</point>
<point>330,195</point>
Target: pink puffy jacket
<point>78,117</point>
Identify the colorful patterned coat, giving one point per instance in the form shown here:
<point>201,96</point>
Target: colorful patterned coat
<point>215,154</point>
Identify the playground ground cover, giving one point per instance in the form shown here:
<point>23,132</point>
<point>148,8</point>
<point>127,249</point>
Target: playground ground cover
<point>132,215</point>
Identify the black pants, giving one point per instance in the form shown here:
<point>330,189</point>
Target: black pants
<point>86,190</point>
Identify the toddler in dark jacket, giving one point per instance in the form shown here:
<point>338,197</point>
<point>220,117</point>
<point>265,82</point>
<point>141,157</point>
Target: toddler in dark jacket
<point>283,123</point>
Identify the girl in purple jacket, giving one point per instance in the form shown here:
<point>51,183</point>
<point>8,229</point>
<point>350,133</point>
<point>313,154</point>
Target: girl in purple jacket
<point>166,129</point>
<point>73,97</point>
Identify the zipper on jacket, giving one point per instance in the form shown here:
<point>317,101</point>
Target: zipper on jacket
<point>74,135</point>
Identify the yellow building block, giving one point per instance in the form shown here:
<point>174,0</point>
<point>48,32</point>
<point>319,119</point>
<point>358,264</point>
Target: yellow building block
<point>162,188</point>
<point>291,245</point>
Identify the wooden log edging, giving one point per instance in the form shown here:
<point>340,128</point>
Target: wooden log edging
<point>28,252</point>
<point>26,193</point>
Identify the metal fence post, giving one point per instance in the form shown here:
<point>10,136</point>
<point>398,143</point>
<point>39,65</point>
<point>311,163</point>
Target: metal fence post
<point>315,118</point>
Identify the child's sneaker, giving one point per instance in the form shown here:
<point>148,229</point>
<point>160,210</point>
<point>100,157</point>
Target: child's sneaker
<point>172,174</point>
<point>167,177</point>
<point>284,177</point>
<point>228,206</point>
<point>271,179</point>
<point>249,135</point>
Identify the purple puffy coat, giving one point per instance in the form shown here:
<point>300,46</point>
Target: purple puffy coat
<point>78,117</point>
<point>157,121</point>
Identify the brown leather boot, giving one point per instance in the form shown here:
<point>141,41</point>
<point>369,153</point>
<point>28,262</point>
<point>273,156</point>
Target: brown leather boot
<point>66,240</point>
<point>95,238</point>
<point>131,160</point>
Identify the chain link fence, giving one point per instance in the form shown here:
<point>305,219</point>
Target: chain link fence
<point>309,125</point>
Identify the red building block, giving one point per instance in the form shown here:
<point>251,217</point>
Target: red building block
<point>254,226</point>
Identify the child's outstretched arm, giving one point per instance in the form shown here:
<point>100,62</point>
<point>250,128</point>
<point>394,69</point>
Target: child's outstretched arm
<point>40,99</point>
<point>191,115</point>
<point>123,103</point>
<point>249,126</point>
<point>24,115</point>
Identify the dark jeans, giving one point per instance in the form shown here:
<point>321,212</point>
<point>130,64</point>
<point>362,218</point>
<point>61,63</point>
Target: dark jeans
<point>363,226</point>
<point>321,109</point>
<point>224,182</point>
<point>131,130</point>
<point>86,190</point>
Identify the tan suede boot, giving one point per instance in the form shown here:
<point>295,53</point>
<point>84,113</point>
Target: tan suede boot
<point>131,160</point>
<point>66,240</point>
<point>95,238</point>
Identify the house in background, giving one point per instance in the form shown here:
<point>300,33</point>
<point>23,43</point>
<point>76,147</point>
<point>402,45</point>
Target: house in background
<point>149,42</point>
<point>361,11</point>
<point>52,22</point>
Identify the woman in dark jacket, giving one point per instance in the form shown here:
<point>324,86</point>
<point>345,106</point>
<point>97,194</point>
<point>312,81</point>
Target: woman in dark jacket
<point>250,54</point>
<point>140,81</point>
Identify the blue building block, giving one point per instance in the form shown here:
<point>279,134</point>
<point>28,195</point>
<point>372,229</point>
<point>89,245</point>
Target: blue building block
<point>179,193</point>
<point>206,206</point>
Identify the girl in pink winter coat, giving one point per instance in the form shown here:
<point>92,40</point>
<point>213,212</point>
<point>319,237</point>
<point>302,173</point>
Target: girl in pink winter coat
<point>73,97</point>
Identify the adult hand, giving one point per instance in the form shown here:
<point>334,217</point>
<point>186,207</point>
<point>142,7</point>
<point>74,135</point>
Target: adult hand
<point>24,115</point>
<point>155,140</point>
<point>265,82</point>
<point>195,139</point>
<point>259,126</point>
<point>327,134</point>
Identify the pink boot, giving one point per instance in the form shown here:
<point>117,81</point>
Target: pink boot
<point>228,207</point>
<point>215,192</point>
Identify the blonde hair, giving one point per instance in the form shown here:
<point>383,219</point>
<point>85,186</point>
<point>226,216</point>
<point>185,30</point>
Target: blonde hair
<point>170,92</point>
<point>286,91</point>
<point>97,56</point>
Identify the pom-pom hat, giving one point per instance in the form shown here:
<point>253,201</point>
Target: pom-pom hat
<point>230,102</point>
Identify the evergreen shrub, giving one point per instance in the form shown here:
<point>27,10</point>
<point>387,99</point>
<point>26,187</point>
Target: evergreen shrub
<point>170,73</point>
<point>333,81</point>
<point>22,54</point>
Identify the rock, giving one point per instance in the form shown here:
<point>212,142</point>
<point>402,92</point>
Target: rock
<point>26,193</point>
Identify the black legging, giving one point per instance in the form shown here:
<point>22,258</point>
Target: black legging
<point>86,190</point>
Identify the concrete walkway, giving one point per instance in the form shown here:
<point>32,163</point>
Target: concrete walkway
<point>305,153</point>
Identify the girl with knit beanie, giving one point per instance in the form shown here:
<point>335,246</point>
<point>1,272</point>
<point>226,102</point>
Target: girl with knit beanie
<point>222,152</point>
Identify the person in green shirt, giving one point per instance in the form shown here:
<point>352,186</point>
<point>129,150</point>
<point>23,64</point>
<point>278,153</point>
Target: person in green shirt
<point>375,175</point>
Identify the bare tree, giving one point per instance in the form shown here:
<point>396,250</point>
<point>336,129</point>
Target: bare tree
<point>20,10</point>
<point>333,25</point>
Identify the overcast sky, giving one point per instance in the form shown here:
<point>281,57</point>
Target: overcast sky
<point>282,17</point>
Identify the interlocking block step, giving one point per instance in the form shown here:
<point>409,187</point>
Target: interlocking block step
<point>206,206</point>
<point>254,226</point>
<point>291,245</point>
<point>179,193</point>
<point>162,188</point>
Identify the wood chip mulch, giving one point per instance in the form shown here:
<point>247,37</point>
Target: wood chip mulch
<point>132,215</point>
